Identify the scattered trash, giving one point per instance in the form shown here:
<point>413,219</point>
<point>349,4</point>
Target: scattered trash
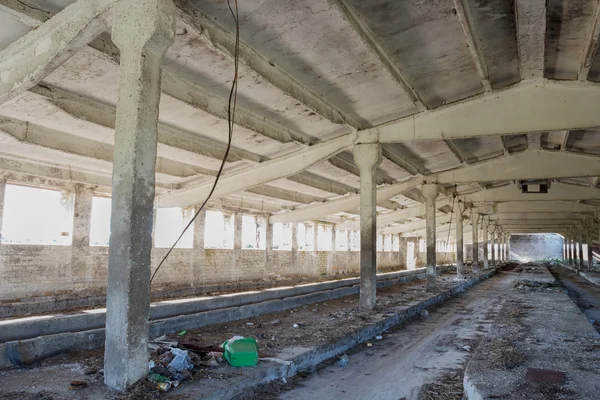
<point>76,385</point>
<point>157,378</point>
<point>343,361</point>
<point>199,348</point>
<point>277,360</point>
<point>467,348</point>
<point>275,322</point>
<point>249,324</point>
<point>283,380</point>
<point>424,313</point>
<point>295,326</point>
<point>150,365</point>
<point>241,351</point>
<point>369,344</point>
<point>378,337</point>
<point>181,360</point>
<point>164,386</point>
<point>164,340</point>
<point>183,332</point>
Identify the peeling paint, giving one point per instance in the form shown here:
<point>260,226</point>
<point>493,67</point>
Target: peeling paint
<point>5,75</point>
<point>43,46</point>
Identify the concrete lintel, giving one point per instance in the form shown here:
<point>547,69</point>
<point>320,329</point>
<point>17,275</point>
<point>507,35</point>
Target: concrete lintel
<point>557,192</point>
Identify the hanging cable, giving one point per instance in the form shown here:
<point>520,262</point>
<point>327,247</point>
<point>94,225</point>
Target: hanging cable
<point>230,122</point>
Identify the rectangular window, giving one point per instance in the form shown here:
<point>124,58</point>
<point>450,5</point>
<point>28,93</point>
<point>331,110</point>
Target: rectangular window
<point>354,237</point>
<point>37,216</point>
<point>282,236</point>
<point>387,243</point>
<point>395,242</point>
<point>100,221</point>
<point>422,246</point>
<point>218,230</point>
<point>306,236</point>
<point>170,222</point>
<point>341,240</point>
<point>324,237</point>
<point>253,232</point>
<point>379,243</point>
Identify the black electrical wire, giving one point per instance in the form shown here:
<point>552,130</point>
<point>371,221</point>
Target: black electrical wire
<point>230,120</point>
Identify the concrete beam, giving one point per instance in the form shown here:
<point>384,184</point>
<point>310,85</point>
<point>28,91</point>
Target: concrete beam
<point>530,164</point>
<point>225,40</point>
<point>465,18</point>
<point>557,192</point>
<point>532,207</point>
<point>370,41</point>
<point>31,58</point>
<point>267,171</point>
<point>32,134</point>
<point>530,18</point>
<point>591,48</point>
<point>525,216</point>
<point>443,219</point>
<point>24,13</point>
<point>529,106</point>
<point>343,204</point>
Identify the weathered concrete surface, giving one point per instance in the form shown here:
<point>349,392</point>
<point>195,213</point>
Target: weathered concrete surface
<point>430,192</point>
<point>143,30</point>
<point>368,157</point>
<point>548,331</point>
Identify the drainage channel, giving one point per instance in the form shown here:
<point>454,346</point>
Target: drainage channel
<point>584,294</point>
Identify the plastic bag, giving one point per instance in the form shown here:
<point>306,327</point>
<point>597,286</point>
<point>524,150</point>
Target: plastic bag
<point>181,360</point>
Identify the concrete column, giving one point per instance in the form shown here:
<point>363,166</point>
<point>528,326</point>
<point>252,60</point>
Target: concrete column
<point>199,229</point>
<point>333,237</point>
<point>501,245</point>
<point>142,30</point>
<point>590,254</point>
<point>460,259</point>
<point>81,270</point>
<point>486,261</point>
<point>569,249</point>
<point>294,226</point>
<point>430,192</point>
<point>507,248</point>
<point>368,157</point>
<point>572,248</point>
<point>2,191</point>
<point>493,245</point>
<point>580,249</point>
<point>237,231</point>
<point>268,244</point>
<point>475,234</point>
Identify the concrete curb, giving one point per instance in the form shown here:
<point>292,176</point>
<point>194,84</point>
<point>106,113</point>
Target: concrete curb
<point>24,351</point>
<point>583,274</point>
<point>309,359</point>
<point>20,329</point>
<point>57,304</point>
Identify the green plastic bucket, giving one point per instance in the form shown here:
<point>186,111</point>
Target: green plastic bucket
<point>241,353</point>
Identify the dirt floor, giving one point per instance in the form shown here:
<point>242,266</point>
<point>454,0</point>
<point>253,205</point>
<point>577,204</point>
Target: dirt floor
<point>421,360</point>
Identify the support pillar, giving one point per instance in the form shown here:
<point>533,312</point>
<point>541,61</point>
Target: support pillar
<point>475,234</point>
<point>581,260</point>
<point>368,156</point>
<point>294,226</point>
<point>142,30</point>
<point>460,259</point>
<point>507,248</point>
<point>81,270</point>
<point>502,247</point>
<point>430,192</point>
<point>486,262</point>
<point>268,244</point>
<point>199,228</point>
<point>2,191</point>
<point>570,247</point>
<point>493,243</point>
<point>590,253</point>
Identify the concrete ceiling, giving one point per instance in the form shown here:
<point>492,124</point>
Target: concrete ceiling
<point>444,84</point>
